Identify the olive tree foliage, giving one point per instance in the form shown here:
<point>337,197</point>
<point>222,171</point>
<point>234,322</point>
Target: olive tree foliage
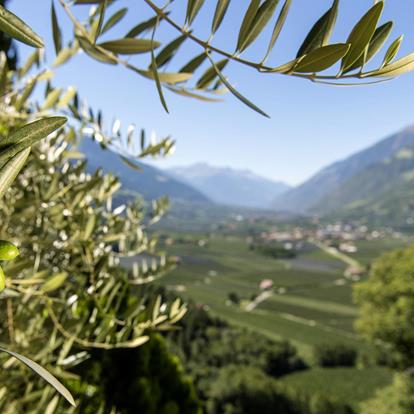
<point>397,398</point>
<point>67,293</point>
<point>386,303</point>
<point>202,77</point>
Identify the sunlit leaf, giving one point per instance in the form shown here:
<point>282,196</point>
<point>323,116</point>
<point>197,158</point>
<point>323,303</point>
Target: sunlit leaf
<point>9,171</point>
<point>392,51</point>
<point>168,52</point>
<point>260,21</point>
<point>57,33</point>
<point>166,77</point>
<point>322,58</point>
<point>62,390</point>
<point>221,9</point>
<point>194,63</point>
<point>97,28</point>
<point>397,68</point>
<point>361,34</point>
<point>28,135</point>
<point>144,26</point>
<point>211,73</point>
<point>378,39</point>
<point>321,32</point>
<point>278,27</point>
<point>114,19</point>
<point>193,7</point>
<point>94,52</point>
<point>247,21</point>
<point>18,29</point>
<point>54,282</point>
<point>130,46</point>
<point>237,94</point>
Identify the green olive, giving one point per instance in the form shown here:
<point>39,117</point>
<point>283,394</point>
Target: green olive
<point>2,280</point>
<point>8,251</point>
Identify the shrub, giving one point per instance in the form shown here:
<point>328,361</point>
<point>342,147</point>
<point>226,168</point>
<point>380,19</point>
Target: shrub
<point>335,355</point>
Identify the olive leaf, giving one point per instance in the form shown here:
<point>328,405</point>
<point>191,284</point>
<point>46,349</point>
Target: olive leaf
<point>47,376</point>
<point>18,29</point>
<point>321,31</point>
<point>322,58</point>
<point>221,9</point>
<point>236,93</point>
<point>130,46</point>
<point>57,33</point>
<point>362,34</point>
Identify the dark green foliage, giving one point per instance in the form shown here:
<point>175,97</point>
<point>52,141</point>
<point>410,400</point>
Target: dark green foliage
<point>240,390</point>
<point>398,398</point>
<point>8,46</point>
<point>209,347</point>
<point>272,249</point>
<point>386,302</point>
<point>335,355</point>
<point>147,380</point>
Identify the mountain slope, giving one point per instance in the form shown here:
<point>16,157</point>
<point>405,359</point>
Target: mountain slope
<point>150,182</point>
<point>311,195</point>
<point>229,186</point>
<point>383,193</point>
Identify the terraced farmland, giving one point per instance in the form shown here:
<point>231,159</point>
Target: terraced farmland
<point>310,304</point>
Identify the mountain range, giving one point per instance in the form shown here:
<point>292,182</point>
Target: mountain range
<point>375,183</point>
<point>228,186</point>
<point>149,182</point>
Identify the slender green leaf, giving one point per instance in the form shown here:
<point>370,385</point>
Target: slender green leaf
<point>397,68</point>
<point>154,70</point>
<point>221,9</point>
<point>168,52</point>
<point>378,39</point>
<point>191,94</point>
<point>10,170</point>
<point>114,19</point>
<point>27,135</point>
<point>97,28</point>
<point>92,51</point>
<point>57,33</point>
<point>65,54</point>
<point>211,73</point>
<point>54,282</point>
<point>144,26</point>
<point>362,34</point>
<point>194,64</point>
<point>280,22</point>
<point>44,374</point>
<point>247,22</point>
<point>392,51</point>
<point>193,7</point>
<point>18,29</point>
<point>2,278</point>
<point>322,58</point>
<point>260,21</point>
<point>130,46</point>
<point>166,77</point>
<point>321,32</point>
<point>236,93</point>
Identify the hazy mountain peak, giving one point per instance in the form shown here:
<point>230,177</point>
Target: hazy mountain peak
<point>230,186</point>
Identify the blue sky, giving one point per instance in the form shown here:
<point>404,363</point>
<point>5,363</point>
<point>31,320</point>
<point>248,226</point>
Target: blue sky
<point>311,125</point>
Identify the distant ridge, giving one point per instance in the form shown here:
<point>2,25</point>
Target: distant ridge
<point>150,182</point>
<point>365,179</point>
<point>230,186</point>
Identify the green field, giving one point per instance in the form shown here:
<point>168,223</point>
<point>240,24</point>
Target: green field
<point>311,301</point>
<point>349,385</point>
